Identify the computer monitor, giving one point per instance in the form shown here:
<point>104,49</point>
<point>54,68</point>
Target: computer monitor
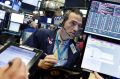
<point>31,2</point>
<point>12,50</point>
<point>16,6</point>
<point>58,20</point>
<point>17,18</point>
<point>102,56</point>
<point>103,19</point>
<point>14,27</point>
<point>2,14</point>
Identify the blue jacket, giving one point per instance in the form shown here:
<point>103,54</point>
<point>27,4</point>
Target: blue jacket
<point>44,39</point>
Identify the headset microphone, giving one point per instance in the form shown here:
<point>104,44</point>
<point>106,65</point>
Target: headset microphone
<point>66,31</point>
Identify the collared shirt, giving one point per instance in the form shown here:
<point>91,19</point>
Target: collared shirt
<point>64,55</point>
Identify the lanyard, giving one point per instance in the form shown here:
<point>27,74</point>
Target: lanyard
<point>57,44</point>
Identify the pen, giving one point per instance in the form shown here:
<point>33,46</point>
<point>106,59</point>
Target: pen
<point>45,54</point>
<point>9,65</point>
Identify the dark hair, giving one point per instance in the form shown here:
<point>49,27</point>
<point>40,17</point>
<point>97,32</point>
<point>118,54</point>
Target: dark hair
<point>67,13</point>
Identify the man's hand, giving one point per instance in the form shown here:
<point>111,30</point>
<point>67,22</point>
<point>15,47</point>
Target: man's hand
<point>47,62</point>
<point>15,70</point>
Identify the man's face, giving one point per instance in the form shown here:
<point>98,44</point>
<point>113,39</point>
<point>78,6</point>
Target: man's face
<point>73,24</point>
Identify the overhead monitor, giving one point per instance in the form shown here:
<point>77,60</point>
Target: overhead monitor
<point>31,2</point>
<point>14,27</point>
<point>17,18</point>
<point>17,4</point>
<point>2,14</point>
<point>58,20</point>
<point>104,19</point>
<point>102,56</point>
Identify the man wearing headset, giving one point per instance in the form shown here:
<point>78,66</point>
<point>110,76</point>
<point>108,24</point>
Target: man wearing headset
<point>58,45</point>
<point>52,43</point>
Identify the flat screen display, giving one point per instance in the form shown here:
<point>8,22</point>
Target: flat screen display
<point>102,56</point>
<point>17,18</point>
<point>17,5</point>
<point>12,52</point>
<point>15,27</point>
<point>31,2</point>
<point>104,19</point>
<point>58,20</point>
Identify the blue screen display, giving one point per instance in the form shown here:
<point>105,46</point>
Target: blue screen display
<point>104,20</point>
<point>16,6</point>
